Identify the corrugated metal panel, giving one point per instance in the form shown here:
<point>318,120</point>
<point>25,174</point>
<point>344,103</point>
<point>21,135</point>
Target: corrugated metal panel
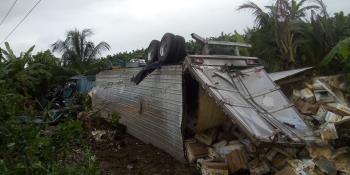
<point>284,74</point>
<point>254,102</point>
<point>152,110</point>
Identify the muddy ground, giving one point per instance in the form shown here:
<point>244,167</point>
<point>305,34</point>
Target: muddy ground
<point>118,153</point>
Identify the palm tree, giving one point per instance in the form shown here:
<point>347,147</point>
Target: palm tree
<point>282,17</point>
<point>319,35</point>
<point>76,50</point>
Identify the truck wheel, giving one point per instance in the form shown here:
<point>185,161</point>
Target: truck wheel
<point>181,48</point>
<point>152,52</point>
<point>167,49</point>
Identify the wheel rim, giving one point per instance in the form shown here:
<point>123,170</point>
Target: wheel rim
<point>149,56</point>
<point>163,49</point>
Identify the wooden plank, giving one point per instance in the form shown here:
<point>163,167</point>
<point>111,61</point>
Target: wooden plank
<point>209,113</point>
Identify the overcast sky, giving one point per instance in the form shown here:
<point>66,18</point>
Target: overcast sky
<point>127,24</point>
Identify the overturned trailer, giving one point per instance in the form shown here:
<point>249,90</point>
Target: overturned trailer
<point>199,92</point>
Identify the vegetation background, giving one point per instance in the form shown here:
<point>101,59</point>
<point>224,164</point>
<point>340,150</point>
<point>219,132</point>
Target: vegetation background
<point>287,34</point>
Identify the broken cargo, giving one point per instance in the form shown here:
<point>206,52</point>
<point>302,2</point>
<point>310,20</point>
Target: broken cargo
<point>174,101</point>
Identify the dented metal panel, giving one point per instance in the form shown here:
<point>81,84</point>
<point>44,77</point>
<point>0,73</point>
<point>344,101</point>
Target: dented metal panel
<point>151,110</point>
<point>252,100</point>
<point>285,74</point>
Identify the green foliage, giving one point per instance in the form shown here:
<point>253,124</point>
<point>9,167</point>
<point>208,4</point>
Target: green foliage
<point>264,47</point>
<point>121,58</point>
<point>30,151</point>
<point>285,38</point>
<point>81,99</point>
<point>341,51</point>
<point>340,55</point>
<point>23,76</point>
<point>25,147</point>
<point>77,51</point>
<point>67,134</point>
<point>115,117</point>
<point>341,25</point>
<point>279,24</point>
<point>87,166</point>
<point>193,47</point>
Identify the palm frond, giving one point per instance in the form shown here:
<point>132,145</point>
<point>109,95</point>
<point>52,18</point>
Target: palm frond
<point>28,52</point>
<point>89,47</point>
<point>323,7</point>
<point>306,8</point>
<point>86,33</point>
<point>102,46</point>
<point>59,46</point>
<point>9,54</point>
<point>76,49</point>
<point>260,16</point>
<point>301,3</point>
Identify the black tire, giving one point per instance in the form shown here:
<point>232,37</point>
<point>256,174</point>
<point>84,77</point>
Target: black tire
<point>152,52</point>
<point>167,49</point>
<point>181,48</point>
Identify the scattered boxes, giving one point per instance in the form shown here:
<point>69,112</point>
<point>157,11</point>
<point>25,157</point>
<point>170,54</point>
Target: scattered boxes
<point>306,107</point>
<point>326,166</point>
<point>213,155</point>
<point>341,159</point>
<point>307,95</point>
<point>214,168</point>
<point>195,150</point>
<point>218,145</point>
<point>320,115</point>
<point>286,171</point>
<point>321,109</point>
<point>237,161</point>
<point>328,132</point>
<point>298,167</point>
<point>258,167</point>
<point>277,158</point>
<point>296,95</point>
<point>320,150</point>
<point>323,96</point>
<point>338,109</point>
<point>332,117</point>
<point>207,137</point>
<point>224,150</point>
<point>346,118</point>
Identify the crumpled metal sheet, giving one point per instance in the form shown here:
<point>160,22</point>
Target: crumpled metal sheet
<point>254,102</point>
<point>275,76</point>
<point>151,110</point>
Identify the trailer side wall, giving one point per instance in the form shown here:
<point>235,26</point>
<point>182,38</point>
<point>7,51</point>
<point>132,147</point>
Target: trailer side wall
<point>151,110</point>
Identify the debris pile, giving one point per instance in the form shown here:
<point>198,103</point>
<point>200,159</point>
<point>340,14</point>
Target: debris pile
<point>324,107</point>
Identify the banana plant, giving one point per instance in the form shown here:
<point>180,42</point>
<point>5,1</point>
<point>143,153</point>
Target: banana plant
<point>341,53</point>
<point>20,71</point>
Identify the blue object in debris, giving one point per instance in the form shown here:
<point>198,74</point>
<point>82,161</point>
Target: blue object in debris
<point>84,83</point>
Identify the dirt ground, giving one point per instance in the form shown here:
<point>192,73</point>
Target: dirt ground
<point>119,153</point>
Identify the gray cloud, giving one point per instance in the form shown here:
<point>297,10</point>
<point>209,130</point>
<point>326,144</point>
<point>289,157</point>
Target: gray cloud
<point>128,24</point>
